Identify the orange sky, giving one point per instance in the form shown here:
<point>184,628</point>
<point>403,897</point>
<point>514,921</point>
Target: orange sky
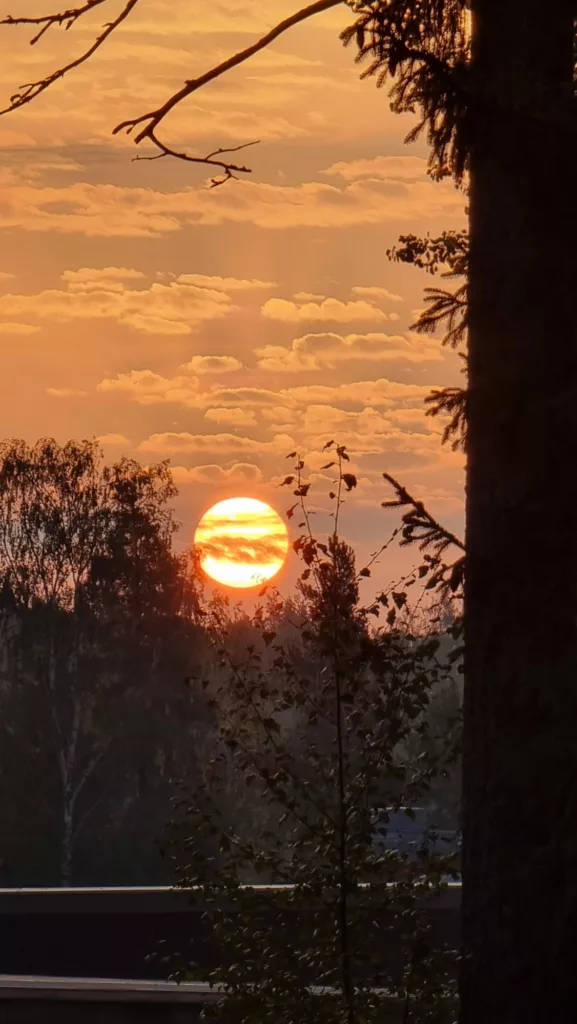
<point>221,328</point>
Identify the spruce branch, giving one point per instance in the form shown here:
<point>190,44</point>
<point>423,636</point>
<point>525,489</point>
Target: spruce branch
<point>421,528</point>
<point>442,308</point>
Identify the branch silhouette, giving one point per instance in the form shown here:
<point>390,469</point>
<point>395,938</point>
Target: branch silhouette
<point>421,528</point>
<point>149,122</point>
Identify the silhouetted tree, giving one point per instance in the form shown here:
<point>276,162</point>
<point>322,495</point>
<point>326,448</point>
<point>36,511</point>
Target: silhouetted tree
<point>97,635</point>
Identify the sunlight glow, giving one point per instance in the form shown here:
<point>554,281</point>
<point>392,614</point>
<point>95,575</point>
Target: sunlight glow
<point>241,542</point>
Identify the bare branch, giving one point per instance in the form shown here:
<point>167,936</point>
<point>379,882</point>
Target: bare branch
<point>45,21</point>
<point>28,92</point>
<point>152,119</point>
<point>229,170</point>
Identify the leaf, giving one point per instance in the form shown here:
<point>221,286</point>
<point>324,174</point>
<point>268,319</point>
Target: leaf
<point>302,491</point>
<point>308,555</point>
<point>329,465</point>
<point>291,455</point>
<point>457,573</point>
<point>271,724</point>
<point>332,495</point>
<point>291,511</point>
<point>268,637</point>
<point>329,444</point>
<point>349,481</point>
<point>287,480</point>
<point>365,572</point>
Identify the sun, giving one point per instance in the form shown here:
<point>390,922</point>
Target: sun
<point>241,542</point>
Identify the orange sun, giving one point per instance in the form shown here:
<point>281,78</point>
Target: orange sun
<point>241,542</point>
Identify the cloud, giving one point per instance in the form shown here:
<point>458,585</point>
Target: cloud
<point>151,324</point>
<point>321,419</point>
<point>254,551</point>
<point>173,443</point>
<point>233,417</point>
<point>419,428</point>
<point>12,328</point>
<point>225,284</point>
<point>278,413</point>
<point>148,388</point>
<point>373,438</point>
<point>15,140</point>
<point>105,279</point>
<point>275,59</point>
<point>237,474</point>
<point>382,392</point>
<point>325,351</point>
<point>308,297</point>
<point>397,168</point>
<point>328,309</point>
<point>113,211</point>
<point>113,440</point>
<point>373,292</point>
<point>6,276</point>
<point>257,397</point>
<point>173,308</point>
<point>65,392</point>
<point>212,364</point>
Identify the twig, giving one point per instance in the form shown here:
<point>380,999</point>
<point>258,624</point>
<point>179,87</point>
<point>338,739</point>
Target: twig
<point>154,117</point>
<point>28,92</point>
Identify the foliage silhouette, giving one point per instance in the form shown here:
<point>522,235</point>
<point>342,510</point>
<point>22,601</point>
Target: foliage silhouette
<point>329,747</point>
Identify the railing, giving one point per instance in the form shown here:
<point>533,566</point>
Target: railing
<point>93,890</point>
<point>68,933</point>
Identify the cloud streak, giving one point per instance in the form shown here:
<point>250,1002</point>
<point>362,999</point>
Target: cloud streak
<point>184,443</point>
<point>113,211</point>
<point>108,294</point>
<point>315,352</point>
<point>328,310</point>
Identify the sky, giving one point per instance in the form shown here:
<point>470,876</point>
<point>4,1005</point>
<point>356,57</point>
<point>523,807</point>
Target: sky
<point>222,328</point>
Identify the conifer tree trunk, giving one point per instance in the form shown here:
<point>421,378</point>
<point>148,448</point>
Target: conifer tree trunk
<point>520,745</point>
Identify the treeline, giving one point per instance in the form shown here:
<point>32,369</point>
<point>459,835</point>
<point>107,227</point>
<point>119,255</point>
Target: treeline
<point>107,665</point>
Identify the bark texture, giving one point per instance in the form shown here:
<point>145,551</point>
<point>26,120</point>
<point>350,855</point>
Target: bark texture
<point>520,744</point>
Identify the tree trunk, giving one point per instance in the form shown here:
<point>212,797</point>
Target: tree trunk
<point>67,838</point>
<point>519,915</point>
